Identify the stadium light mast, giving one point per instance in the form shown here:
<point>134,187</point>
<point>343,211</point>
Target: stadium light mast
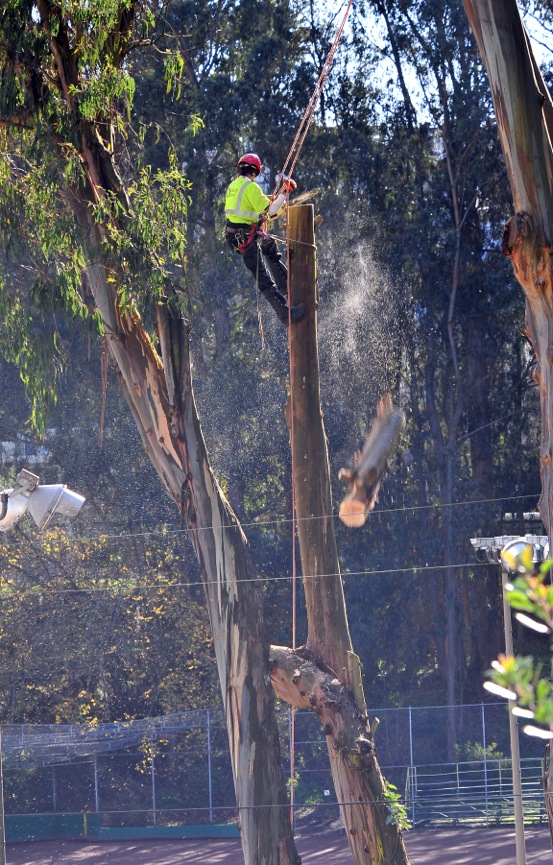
<point>493,550</point>
<point>43,502</point>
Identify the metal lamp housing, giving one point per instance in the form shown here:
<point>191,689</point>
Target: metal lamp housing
<point>42,501</point>
<point>517,555</point>
<point>51,499</point>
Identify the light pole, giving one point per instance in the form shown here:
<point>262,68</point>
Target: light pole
<point>504,551</point>
<point>43,501</point>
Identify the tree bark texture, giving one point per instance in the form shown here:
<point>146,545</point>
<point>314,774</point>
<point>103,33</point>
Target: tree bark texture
<point>360,787</point>
<point>159,392</point>
<point>524,113</point>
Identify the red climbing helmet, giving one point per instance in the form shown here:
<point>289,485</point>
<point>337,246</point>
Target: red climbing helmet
<point>252,160</point>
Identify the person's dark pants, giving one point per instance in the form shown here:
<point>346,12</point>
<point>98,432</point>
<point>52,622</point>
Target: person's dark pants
<point>264,261</point>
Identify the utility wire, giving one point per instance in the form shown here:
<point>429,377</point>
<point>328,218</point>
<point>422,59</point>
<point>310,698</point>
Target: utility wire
<point>405,509</point>
<point>415,570</point>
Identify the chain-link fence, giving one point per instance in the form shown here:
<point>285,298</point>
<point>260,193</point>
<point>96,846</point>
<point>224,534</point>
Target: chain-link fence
<point>176,770</point>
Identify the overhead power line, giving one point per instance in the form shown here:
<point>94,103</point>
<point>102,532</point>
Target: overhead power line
<point>414,570</point>
<point>405,509</point>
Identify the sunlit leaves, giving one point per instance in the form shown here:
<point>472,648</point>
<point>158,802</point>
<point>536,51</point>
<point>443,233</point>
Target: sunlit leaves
<point>63,169</point>
<point>160,202</point>
<point>97,629</point>
<point>174,67</point>
<point>397,814</point>
<point>520,678</point>
<point>148,240</point>
<point>99,96</point>
<point>533,594</point>
<point>37,229</point>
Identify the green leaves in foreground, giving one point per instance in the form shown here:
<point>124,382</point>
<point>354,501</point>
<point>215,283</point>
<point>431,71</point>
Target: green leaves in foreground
<point>520,678</point>
<point>396,810</point>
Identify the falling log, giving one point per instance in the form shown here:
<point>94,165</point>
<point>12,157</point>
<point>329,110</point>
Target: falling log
<point>370,466</point>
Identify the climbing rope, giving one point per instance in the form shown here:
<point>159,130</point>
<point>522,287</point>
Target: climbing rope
<point>305,123</point>
<point>259,318</point>
<point>287,171</point>
<point>294,565</point>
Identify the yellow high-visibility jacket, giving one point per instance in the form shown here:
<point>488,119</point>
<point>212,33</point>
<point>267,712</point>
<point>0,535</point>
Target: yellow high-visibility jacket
<point>245,201</point>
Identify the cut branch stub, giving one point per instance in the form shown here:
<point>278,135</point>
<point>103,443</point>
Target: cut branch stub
<point>516,230</point>
<point>299,681</point>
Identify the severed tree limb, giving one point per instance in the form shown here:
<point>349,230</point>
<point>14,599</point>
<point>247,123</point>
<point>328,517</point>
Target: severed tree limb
<point>370,466</point>
<point>299,681</point>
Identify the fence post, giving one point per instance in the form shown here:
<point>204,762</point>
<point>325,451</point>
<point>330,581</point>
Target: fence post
<point>54,791</point>
<point>153,770</point>
<point>96,786</point>
<point>209,780</point>
<point>485,747</point>
<point>411,765</point>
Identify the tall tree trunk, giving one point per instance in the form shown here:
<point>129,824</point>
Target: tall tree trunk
<point>524,114</point>
<point>359,784</point>
<point>159,393</point>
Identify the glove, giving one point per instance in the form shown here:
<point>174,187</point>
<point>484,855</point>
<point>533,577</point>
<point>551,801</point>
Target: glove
<point>288,185</point>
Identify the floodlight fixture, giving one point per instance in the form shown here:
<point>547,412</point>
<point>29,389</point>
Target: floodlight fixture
<point>517,556</point>
<point>43,501</point>
<point>515,553</point>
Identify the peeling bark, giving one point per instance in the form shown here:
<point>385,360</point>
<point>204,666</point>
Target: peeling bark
<point>524,112</point>
<point>159,393</point>
<point>299,681</point>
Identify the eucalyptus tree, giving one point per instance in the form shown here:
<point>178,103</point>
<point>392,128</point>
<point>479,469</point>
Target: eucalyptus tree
<point>103,233</point>
<point>104,237</point>
<point>524,115</point>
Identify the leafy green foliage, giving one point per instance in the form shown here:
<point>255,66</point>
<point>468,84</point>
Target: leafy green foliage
<point>67,88</point>
<point>521,678</point>
<point>93,630</point>
<point>397,813</point>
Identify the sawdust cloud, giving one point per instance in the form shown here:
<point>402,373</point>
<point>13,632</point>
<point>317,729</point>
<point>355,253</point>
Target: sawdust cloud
<point>358,331</point>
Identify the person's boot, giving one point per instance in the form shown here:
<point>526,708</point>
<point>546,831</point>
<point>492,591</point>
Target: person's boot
<point>278,302</point>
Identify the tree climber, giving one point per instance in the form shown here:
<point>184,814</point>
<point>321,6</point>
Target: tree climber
<point>246,208</point>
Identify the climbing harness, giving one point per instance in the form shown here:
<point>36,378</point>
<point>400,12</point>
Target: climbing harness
<point>243,241</point>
